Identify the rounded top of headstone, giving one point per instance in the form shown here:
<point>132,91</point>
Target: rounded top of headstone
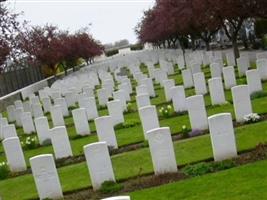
<point>78,110</point>
<point>162,130</point>
<point>42,157</point>
<point>150,107</point>
<point>220,115</point>
<point>40,118</point>
<point>239,87</point>
<point>10,139</point>
<point>107,117</point>
<point>214,79</point>
<point>58,128</point>
<point>95,145</point>
<point>194,98</point>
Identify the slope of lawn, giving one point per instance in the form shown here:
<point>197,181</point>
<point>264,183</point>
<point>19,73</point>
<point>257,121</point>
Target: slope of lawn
<point>134,163</point>
<point>247,182</point>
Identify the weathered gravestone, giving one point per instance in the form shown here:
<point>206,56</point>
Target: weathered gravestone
<point>42,129</point>
<point>222,136</point>
<point>27,123</point>
<point>60,142</point>
<point>241,101</point>
<point>115,110</point>
<point>197,112</point>
<point>14,154</point>
<point>46,177</point>
<point>216,91</point>
<point>99,163</point>
<point>178,99</point>
<point>229,77</point>
<point>105,131</point>
<point>162,151</point>
<point>149,118</point>
<point>80,121</point>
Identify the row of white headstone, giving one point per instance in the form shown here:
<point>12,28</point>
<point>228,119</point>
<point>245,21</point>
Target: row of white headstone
<point>161,149</point>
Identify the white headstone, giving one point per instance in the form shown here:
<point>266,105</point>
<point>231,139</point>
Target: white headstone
<point>46,104</point>
<point>27,123</point>
<point>242,65</point>
<point>162,151</point>
<point>197,112</point>
<point>102,96</point>
<point>18,104</point>
<point>105,131</point>
<point>115,110</point>
<point>142,100</point>
<point>18,113</point>
<point>216,91</point>
<point>215,70</point>
<point>195,68</point>
<point>46,177</point>
<point>57,116</point>
<point>119,95</point>
<point>230,57</point>
<point>141,89</point>
<point>3,122</point>
<point>37,110</point>
<point>14,154</point>
<point>149,118</point>
<point>253,81</point>
<point>168,84</point>
<point>90,105</point>
<point>60,142</point>
<point>200,83</point>
<point>187,79</point>
<point>9,131</point>
<point>99,163</point>
<point>27,107</point>
<point>262,68</point>
<point>150,87</point>
<point>62,102</point>
<point>42,129</point>
<point>80,121</point>
<point>178,98</point>
<point>229,77</point>
<point>241,101</point>
<point>11,113</point>
<point>222,136</point>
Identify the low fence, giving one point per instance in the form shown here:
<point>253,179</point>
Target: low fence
<point>32,83</point>
<point>17,78</point>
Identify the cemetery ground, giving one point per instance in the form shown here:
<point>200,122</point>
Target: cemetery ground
<point>132,161</point>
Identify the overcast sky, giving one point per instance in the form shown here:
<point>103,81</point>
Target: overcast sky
<point>111,20</point>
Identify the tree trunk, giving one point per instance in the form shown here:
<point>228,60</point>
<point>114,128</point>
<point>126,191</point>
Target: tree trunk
<point>207,43</point>
<point>235,49</point>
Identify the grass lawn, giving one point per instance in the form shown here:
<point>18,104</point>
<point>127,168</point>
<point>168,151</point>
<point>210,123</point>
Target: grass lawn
<point>134,163</point>
<point>138,162</point>
<point>247,182</point>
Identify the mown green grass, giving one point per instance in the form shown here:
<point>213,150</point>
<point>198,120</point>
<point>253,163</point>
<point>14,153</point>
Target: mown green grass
<point>242,183</point>
<point>134,163</point>
<point>138,162</point>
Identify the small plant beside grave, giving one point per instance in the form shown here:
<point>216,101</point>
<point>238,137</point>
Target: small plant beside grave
<point>252,118</point>
<point>204,168</point>
<point>109,187</point>
<point>30,142</point>
<point>166,111</point>
<point>257,95</point>
<point>130,108</point>
<point>185,131</point>
<point>4,170</point>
